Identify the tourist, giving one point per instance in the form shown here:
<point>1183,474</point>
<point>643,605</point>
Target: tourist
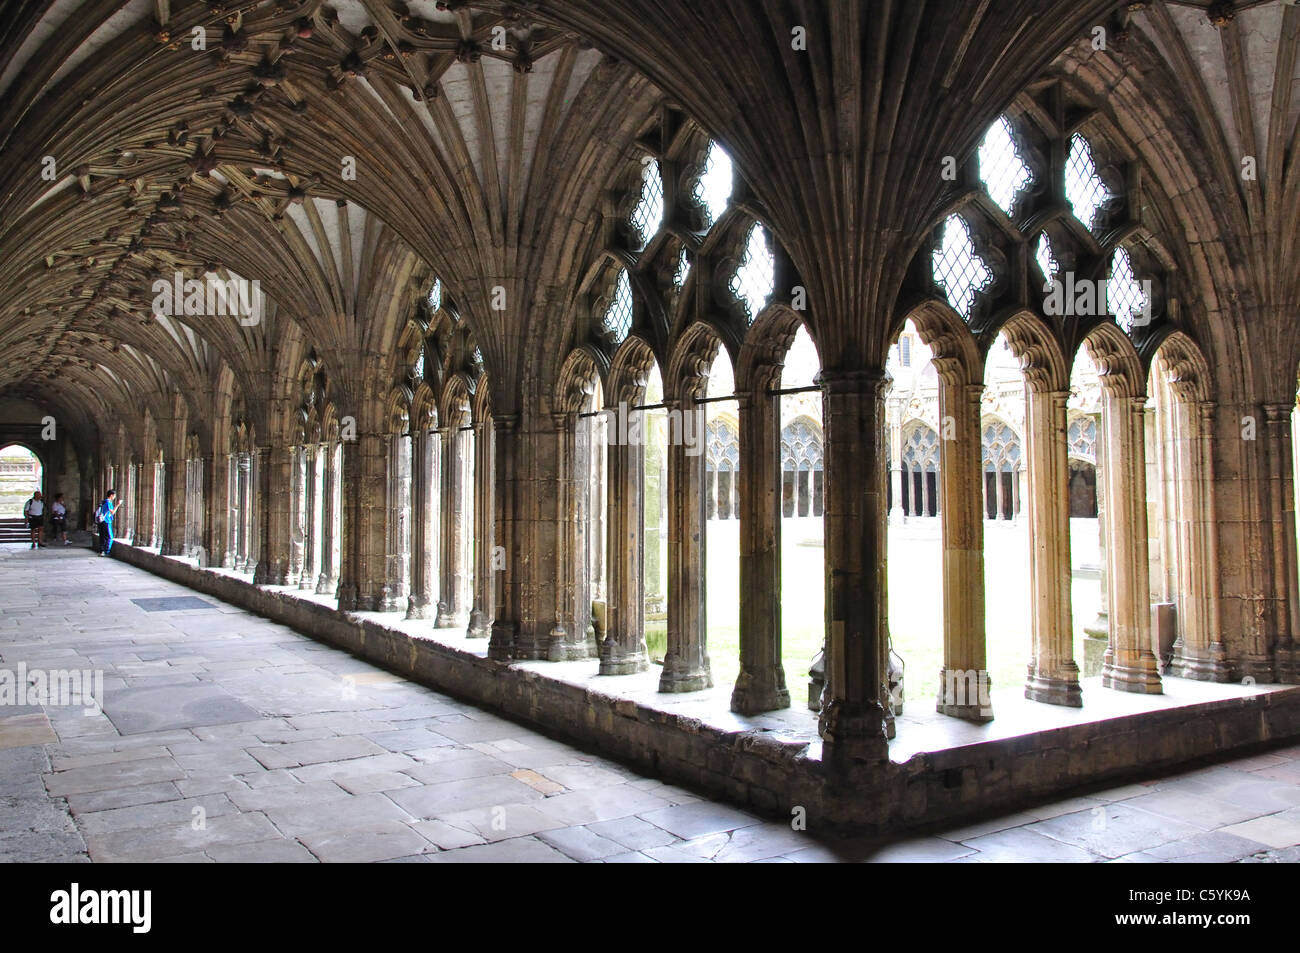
<point>34,511</point>
<point>104,520</point>
<point>59,519</point>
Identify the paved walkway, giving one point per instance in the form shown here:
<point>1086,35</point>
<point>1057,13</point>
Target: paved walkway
<point>225,737</point>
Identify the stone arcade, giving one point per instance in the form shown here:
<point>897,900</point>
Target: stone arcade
<point>529,304</point>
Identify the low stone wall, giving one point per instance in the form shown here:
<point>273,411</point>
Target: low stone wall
<point>766,774</point>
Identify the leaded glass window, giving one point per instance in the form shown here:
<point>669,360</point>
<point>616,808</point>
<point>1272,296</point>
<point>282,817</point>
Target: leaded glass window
<point>1082,438</point>
<point>435,295</point>
<point>921,450</point>
<point>958,269</point>
<point>1001,449</point>
<point>683,269</point>
<point>1003,171</point>
<point>1125,297</point>
<point>618,317</point>
<point>1084,188</point>
<point>649,212</point>
<point>723,446</point>
<point>801,447</point>
<point>713,188</point>
<point>1046,260</point>
<point>754,279</point>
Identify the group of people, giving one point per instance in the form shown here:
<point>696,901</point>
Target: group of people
<point>34,513</point>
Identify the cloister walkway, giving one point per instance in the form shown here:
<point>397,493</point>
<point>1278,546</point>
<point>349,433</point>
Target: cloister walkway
<point>226,737</point>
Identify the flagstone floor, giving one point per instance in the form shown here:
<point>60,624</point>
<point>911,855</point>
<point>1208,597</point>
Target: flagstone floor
<point>225,737</point>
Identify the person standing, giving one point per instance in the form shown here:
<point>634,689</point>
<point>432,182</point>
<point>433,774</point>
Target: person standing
<point>59,519</point>
<point>104,519</point>
<point>34,511</point>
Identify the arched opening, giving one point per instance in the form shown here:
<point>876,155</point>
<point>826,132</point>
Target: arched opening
<point>651,425</point>
<point>722,513</point>
<point>21,475</point>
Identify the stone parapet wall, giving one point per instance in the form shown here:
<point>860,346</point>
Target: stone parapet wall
<point>765,773</point>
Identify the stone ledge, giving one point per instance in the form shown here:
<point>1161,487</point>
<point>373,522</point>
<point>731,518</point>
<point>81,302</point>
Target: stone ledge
<point>757,769</point>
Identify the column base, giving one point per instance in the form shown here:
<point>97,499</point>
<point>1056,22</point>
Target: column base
<point>501,644</point>
<point>1061,689</point>
<point>419,607</point>
<point>1259,668</point>
<point>1202,666</point>
<point>479,627</point>
<point>616,660</point>
<point>1287,664</point>
<point>958,698</point>
<point>348,596</point>
<point>393,600</point>
<point>754,694</point>
<point>307,583</point>
<point>326,585</point>
<point>680,677</point>
<point>1141,677</point>
<point>563,649</point>
<point>853,734</point>
<point>449,619</point>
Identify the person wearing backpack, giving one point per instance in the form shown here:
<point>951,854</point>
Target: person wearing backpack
<point>104,520</point>
<point>34,511</point>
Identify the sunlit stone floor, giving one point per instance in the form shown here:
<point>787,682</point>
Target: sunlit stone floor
<point>226,737</point>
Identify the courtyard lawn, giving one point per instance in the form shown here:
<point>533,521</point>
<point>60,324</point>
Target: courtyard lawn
<point>915,601</point>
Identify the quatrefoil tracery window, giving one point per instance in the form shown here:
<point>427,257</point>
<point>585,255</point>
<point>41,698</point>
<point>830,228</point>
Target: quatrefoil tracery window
<point>713,188</point>
<point>1084,188</point>
<point>618,317</point>
<point>435,295</point>
<point>723,445</point>
<point>1001,449</point>
<point>649,212</point>
<point>1082,439</point>
<point>754,279</point>
<point>1001,166</point>
<point>958,269</point>
<point>1047,262</point>
<point>1125,297</point>
<point>921,450</point>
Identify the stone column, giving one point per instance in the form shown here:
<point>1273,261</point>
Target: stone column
<point>329,542</point>
<point>1199,652</point>
<point>1286,573</point>
<point>297,512</point>
<point>623,650</point>
<point>896,513</point>
<point>761,683</point>
<point>503,476</point>
<point>308,575</point>
<point>1053,674</point>
<point>146,493</point>
<point>453,580</point>
<point>1129,664</point>
<point>573,537</point>
<point>853,712</point>
<point>484,600</point>
<point>425,446</point>
<point>964,679</point>
<point>397,592</point>
<point>1097,632</point>
<point>686,661</point>
<point>277,476</point>
<point>240,478</point>
<point>362,579</point>
<point>175,498</point>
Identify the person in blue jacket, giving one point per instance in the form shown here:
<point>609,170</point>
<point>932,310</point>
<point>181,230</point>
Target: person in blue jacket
<point>104,518</point>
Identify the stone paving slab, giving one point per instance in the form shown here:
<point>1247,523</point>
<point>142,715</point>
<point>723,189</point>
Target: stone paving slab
<point>230,739</point>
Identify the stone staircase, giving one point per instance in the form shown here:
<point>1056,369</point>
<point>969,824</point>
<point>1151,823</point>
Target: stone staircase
<point>14,530</point>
